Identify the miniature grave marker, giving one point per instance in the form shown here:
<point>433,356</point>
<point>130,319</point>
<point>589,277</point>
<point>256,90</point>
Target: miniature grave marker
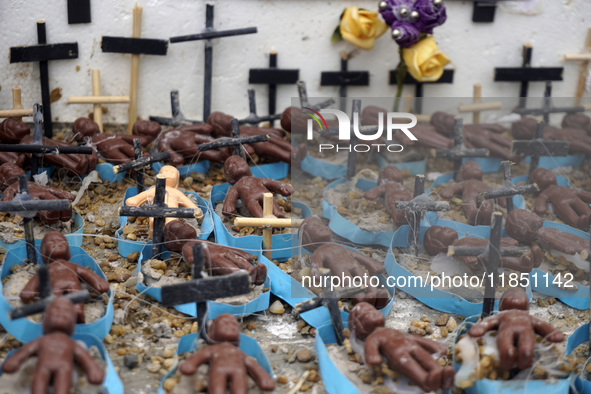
<point>459,151</point>
<point>547,108</point>
<point>304,102</point>
<point>417,206</point>
<point>236,142</point>
<point>78,11</point>
<point>199,290</point>
<point>509,189</point>
<point>209,34</point>
<point>178,118</point>
<point>253,118</point>
<point>97,100</point>
<point>484,11</point>
<point>272,77</point>
<point>478,106</point>
<point>17,110</point>
<point>344,78</point>
<point>526,74</point>
<point>446,77</point>
<point>43,53</point>
<point>585,58</point>
<point>139,163</point>
<point>78,297</point>
<point>135,46</point>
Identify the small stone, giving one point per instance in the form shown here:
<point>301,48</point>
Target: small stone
<point>168,353</point>
<point>121,352</point>
<point>274,348</point>
<point>277,308</point>
<point>444,332</point>
<point>442,320</point>
<point>451,324</point>
<point>118,274</point>
<point>131,361</point>
<point>304,355</point>
<point>282,379</point>
<point>132,257</point>
<point>154,367</point>
<point>113,257</point>
<point>169,384</point>
<point>162,330</point>
<point>417,331</point>
<point>119,317</point>
<point>168,363</point>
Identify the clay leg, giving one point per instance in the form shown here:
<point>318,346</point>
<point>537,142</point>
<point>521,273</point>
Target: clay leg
<point>62,381</point>
<point>41,380</point>
<point>217,382</point>
<point>238,382</point>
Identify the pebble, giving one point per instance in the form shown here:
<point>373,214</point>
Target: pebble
<point>119,317</point>
<point>168,353</point>
<point>154,367</point>
<point>442,320</point>
<point>162,330</point>
<point>304,355</point>
<point>131,361</point>
<point>451,324</point>
<point>132,257</point>
<point>118,274</point>
<point>169,384</point>
<point>277,308</point>
<point>168,363</point>
<point>282,379</point>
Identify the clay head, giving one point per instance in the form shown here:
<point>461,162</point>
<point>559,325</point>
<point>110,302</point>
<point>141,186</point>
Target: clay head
<point>443,123</point>
<point>523,225</point>
<point>172,176</point>
<point>146,128</point>
<point>524,129</point>
<point>84,129</point>
<point>54,247</point>
<point>577,120</point>
<point>543,178</point>
<point>12,131</point>
<point>364,319</point>
<point>235,168</point>
<point>437,239</point>
<point>390,174</point>
<point>313,233</point>
<point>224,328</point>
<point>514,298</point>
<point>60,316</point>
<point>9,174</point>
<point>177,233</point>
<point>470,170</point>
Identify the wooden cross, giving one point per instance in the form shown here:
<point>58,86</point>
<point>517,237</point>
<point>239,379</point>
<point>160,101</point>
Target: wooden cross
<point>97,100</point>
<point>304,102</point>
<point>78,11</point>
<point>159,211</point>
<point>178,118</point>
<point>509,189</point>
<point>17,111</point>
<point>446,77</point>
<point>538,147</point>
<point>139,163</point>
<point>585,58</point>
<point>253,118</point>
<point>43,53</point>
<point>272,77</point>
<point>344,78</point>
<point>484,11</point>
<point>209,34</point>
<point>135,46</point>
<point>459,151</point>
<point>236,141</point>
<point>267,222</point>
<point>417,206</point>
<point>526,74</point>
<point>478,106</point>
<point>201,289</point>
<point>547,108</point>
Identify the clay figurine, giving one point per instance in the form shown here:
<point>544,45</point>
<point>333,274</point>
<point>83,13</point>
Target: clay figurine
<point>408,354</point>
<point>342,262</point>
<point>577,120</point>
<point>580,141</point>
<point>56,351</point>
<point>569,205</point>
<point>516,330</point>
<point>115,148</point>
<point>12,131</point>
<point>219,260</point>
<point>526,227</point>
<point>438,239</point>
<point>250,189</point>
<point>392,190</point>
<point>228,365</point>
<point>65,276</point>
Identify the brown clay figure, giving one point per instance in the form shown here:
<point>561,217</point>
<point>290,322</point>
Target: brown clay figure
<point>569,205</point>
<point>392,190</point>
<point>9,174</point>
<point>39,192</point>
<point>438,239</point>
<point>580,141</point>
<point>250,189</point>
<point>56,351</point>
<point>65,276</point>
<point>516,331</point>
<point>469,188</point>
<point>115,148</point>
<point>408,354</point>
<point>577,120</point>
<point>219,260</point>
<point>526,227</point>
<point>12,131</point>
<point>342,262</point>
<point>228,365</point>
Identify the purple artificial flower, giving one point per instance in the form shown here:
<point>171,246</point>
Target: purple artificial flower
<point>405,34</point>
<point>396,10</point>
<point>431,14</point>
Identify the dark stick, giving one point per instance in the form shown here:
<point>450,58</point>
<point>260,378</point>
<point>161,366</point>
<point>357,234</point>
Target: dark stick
<point>508,192</point>
<point>198,264</point>
<point>37,137</point>
<point>44,76</point>
<point>23,189</point>
<point>343,87</point>
<point>415,221</point>
<point>272,88</point>
<point>34,205</point>
<point>139,174</point>
<point>526,63</point>
<point>235,135</point>
<point>352,157</point>
<point>208,59</point>
<point>227,142</point>
<point>458,141</point>
<point>492,265</point>
<point>158,224</point>
<point>464,251</point>
<point>78,297</point>
<point>44,150</point>
<point>152,211</point>
<point>213,34</point>
<point>44,281</point>
<point>141,162</point>
<point>303,94</point>
<point>538,135</point>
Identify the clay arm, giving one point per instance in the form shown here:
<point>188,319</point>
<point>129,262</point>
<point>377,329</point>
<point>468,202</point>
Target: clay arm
<point>94,373</point>
<point>427,136</point>
<point>30,290</point>
<point>551,238</point>
<point>229,207</point>
<point>186,202</point>
<point>375,193</point>
<point>141,198</point>
<point>189,367</point>
<point>584,195</point>
<point>260,376</point>
<point>278,187</point>
<point>13,363</point>
<point>452,190</point>
<point>370,264</point>
<point>540,204</point>
<point>92,279</point>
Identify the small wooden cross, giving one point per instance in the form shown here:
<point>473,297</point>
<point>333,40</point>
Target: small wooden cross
<point>446,77</point>
<point>304,102</point>
<point>139,163</point>
<point>509,189</point>
<point>272,77</point>
<point>43,53</point>
<point>548,108</point>
<point>584,58</point>
<point>178,118</point>
<point>344,78</point>
<point>97,100</point>
<point>201,289</point>
<point>478,106</point>
<point>17,111</point>
<point>209,34</point>
<point>135,46</point>
<point>253,118</point>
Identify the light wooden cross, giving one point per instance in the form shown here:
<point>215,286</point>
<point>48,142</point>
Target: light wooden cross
<point>267,222</point>
<point>97,100</point>
<point>477,105</point>
<point>407,104</point>
<point>585,57</point>
<point>17,110</point>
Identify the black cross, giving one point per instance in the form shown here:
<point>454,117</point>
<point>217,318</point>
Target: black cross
<point>526,74</point>
<point>139,163</point>
<point>492,252</point>
<point>344,78</point>
<point>253,118</point>
<point>134,46</point>
<point>304,102</point>
<point>484,11</point>
<point>23,204</point>
<point>199,290</point>
<point>547,108</point>
<point>417,206</point>
<point>208,35</point>
<point>37,149</point>
<point>330,299</point>
<point>236,142</point>
<point>459,151</point>
<point>538,147</point>
<point>159,211</point>
<point>78,11</point>
<point>178,119</point>
<point>446,77</point>
<point>272,77</point>
<point>43,53</point>
<point>509,189</point>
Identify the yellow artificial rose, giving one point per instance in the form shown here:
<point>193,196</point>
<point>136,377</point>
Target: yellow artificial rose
<point>361,27</point>
<point>424,60</point>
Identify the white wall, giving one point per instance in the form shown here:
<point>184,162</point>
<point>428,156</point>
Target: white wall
<point>299,30</point>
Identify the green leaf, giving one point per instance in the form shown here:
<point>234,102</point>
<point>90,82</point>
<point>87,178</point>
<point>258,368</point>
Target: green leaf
<point>336,35</point>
